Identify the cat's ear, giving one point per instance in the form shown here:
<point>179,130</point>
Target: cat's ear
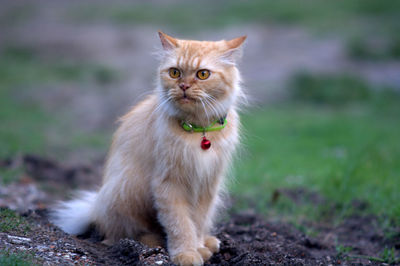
<point>167,42</point>
<point>233,50</point>
<point>236,43</point>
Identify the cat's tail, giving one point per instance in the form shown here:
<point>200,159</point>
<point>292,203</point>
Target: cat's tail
<point>74,216</point>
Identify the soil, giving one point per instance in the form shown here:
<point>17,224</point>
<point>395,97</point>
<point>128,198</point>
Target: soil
<point>247,237</point>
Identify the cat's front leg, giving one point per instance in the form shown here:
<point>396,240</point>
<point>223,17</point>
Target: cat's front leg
<point>206,209</point>
<point>174,214</point>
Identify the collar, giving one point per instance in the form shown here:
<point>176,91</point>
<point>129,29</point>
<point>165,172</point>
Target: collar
<point>193,128</point>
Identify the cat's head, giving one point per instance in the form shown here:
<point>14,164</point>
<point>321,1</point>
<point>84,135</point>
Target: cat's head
<point>199,77</point>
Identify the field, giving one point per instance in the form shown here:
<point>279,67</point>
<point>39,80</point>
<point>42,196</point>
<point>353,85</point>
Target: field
<point>321,131</point>
<point>346,154</point>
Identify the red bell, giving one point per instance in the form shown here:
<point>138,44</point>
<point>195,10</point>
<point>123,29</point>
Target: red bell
<point>205,143</point>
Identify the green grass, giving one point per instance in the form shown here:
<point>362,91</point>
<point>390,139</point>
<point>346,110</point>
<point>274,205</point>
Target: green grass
<point>22,66</point>
<point>387,257</point>
<point>338,89</point>
<point>344,154</point>
<point>347,16</point>
<point>11,221</point>
<point>359,48</point>
<point>227,12</point>
<point>17,14</point>
<point>342,251</point>
<point>8,175</point>
<point>21,258</point>
<point>24,121</point>
<point>369,27</point>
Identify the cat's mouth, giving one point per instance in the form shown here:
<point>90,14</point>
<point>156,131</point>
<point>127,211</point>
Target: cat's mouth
<point>186,98</point>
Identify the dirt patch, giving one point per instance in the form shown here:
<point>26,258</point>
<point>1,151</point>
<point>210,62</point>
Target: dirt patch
<point>247,238</point>
<point>42,181</point>
<point>50,245</point>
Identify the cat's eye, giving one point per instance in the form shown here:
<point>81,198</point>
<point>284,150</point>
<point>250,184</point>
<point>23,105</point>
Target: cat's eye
<point>203,74</point>
<point>174,73</point>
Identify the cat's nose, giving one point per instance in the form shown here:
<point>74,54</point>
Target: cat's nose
<point>184,86</point>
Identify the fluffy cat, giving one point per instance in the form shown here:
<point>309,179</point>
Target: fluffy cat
<point>162,181</point>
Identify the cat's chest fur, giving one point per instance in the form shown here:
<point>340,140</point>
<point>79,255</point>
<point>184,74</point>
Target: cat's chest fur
<point>184,156</point>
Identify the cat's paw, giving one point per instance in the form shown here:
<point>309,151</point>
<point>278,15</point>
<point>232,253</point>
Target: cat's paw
<point>188,258</point>
<point>212,243</point>
<point>205,253</point>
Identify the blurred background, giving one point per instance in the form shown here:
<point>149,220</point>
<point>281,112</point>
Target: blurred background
<point>321,131</point>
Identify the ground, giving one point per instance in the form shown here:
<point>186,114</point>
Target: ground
<point>247,237</point>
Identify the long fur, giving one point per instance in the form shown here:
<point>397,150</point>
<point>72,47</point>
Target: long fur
<point>74,217</point>
<point>157,180</point>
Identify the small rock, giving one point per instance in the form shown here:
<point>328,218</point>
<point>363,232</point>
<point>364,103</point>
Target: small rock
<point>18,240</point>
<point>227,256</point>
<point>159,262</point>
<point>41,248</point>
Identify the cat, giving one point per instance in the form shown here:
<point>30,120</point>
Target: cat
<point>164,175</point>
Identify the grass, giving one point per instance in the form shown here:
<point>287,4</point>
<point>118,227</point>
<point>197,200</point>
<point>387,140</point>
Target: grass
<point>227,12</point>
<point>24,121</point>
<point>387,257</point>
<point>8,175</point>
<point>17,14</point>
<point>370,28</point>
<point>22,126</point>
<point>11,221</point>
<point>343,153</point>
<point>22,66</point>
<point>342,250</point>
<point>344,16</point>
<point>338,89</point>
<point>339,137</point>
<point>22,258</point>
<point>373,50</point>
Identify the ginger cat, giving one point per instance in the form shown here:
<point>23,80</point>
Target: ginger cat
<point>164,174</point>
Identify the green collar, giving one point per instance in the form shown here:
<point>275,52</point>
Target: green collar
<point>193,128</point>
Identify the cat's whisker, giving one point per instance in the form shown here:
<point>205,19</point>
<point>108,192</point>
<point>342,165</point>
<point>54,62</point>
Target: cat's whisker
<point>210,104</point>
<point>163,102</point>
<point>205,110</point>
<point>160,104</point>
<point>218,108</point>
<point>205,98</point>
<point>215,112</point>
